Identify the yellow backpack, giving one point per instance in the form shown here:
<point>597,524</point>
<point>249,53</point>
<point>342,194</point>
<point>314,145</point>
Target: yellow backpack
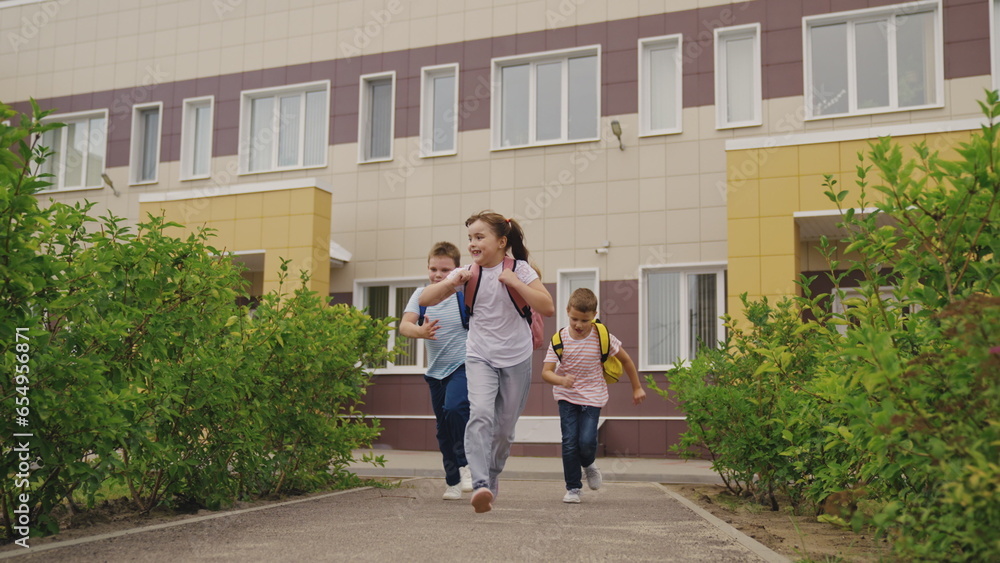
<point>612,365</point>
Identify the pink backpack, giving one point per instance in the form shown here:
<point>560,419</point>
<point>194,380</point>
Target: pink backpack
<point>535,320</point>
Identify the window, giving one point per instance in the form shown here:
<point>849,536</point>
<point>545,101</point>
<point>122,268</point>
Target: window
<point>439,110</point>
<point>546,99</point>
<point>995,41</point>
<point>874,61</point>
<point>679,313</point>
<point>79,150</point>
<point>145,155</point>
<point>660,85</point>
<point>737,76</point>
<point>285,128</point>
<point>570,281</point>
<point>385,298</point>
<point>847,298</point>
<point>375,126</point>
<point>196,138</point>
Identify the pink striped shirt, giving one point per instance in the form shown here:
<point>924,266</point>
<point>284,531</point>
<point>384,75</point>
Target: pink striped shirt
<point>582,359</point>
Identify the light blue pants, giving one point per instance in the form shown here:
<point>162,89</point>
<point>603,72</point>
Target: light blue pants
<point>496,398</point>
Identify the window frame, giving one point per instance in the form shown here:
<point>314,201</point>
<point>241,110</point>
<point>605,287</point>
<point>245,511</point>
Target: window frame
<point>647,44</point>
<point>563,292</point>
<point>427,90</point>
<point>887,293</point>
<point>67,118</point>
<point>246,100</point>
<point>852,17</point>
<point>188,132</point>
<point>717,268</point>
<point>360,285</point>
<point>722,34</point>
<point>137,145</point>
<point>364,115</point>
<point>533,59</point>
<point>995,42</point>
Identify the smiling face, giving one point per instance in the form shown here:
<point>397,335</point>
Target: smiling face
<point>486,248</point>
<point>580,323</point>
<point>438,267</point>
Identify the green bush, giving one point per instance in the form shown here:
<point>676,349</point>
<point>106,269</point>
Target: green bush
<point>887,413</point>
<point>140,371</point>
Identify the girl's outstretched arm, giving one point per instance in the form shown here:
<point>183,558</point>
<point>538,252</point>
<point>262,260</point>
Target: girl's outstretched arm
<point>438,292</point>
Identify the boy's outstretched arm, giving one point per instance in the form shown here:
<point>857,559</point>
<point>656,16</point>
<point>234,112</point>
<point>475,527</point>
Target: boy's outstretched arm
<point>409,328</point>
<point>638,393</point>
<point>550,376</point>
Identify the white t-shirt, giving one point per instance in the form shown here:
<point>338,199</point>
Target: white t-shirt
<point>497,334</point>
<point>447,353</point>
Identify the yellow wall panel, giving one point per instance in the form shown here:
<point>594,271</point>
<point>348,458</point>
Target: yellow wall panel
<point>276,204</point>
<point>744,237</point>
<point>274,231</point>
<point>777,236</point>
<point>811,196</point>
<point>744,275</point>
<point>777,275</point>
<point>249,206</point>
<point>248,234</point>
<point>742,198</point>
<point>779,196</point>
<point>741,165</point>
<point>222,208</point>
<point>779,162</point>
<point>225,235</point>
<point>822,158</point>
<point>302,201</point>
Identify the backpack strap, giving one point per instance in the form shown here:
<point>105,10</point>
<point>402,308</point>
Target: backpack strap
<point>471,289</point>
<point>557,345</point>
<point>462,312</point>
<point>602,335</point>
<point>460,297</point>
<point>520,304</point>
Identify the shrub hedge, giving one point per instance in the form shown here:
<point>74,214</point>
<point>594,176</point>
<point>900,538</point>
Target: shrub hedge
<point>885,412</point>
<point>141,371</point>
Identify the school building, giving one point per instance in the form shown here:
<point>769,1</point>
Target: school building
<point>668,154</point>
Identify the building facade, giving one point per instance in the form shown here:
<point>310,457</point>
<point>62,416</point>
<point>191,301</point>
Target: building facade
<point>668,154</point>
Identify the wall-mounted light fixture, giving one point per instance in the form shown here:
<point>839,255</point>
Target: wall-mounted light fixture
<point>107,180</point>
<point>603,249</point>
<point>616,128</point>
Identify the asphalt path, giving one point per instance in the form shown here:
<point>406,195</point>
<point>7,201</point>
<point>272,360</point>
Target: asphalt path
<point>623,521</point>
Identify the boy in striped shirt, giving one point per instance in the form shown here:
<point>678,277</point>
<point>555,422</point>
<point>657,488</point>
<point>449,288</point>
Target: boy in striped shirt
<point>580,390</point>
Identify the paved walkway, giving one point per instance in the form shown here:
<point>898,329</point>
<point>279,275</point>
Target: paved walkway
<point>631,518</point>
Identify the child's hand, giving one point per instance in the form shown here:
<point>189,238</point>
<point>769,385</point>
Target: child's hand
<point>509,278</point>
<point>462,276</point>
<point>429,329</point>
<point>568,381</point>
<point>638,396</point>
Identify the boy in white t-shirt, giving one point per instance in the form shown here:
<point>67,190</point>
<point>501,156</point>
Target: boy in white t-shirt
<point>581,391</point>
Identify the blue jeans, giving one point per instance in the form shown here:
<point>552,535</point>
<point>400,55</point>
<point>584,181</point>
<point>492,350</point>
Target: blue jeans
<point>450,400</point>
<point>579,440</point>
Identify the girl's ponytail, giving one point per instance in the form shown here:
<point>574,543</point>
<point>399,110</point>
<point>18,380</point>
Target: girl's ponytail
<point>515,239</point>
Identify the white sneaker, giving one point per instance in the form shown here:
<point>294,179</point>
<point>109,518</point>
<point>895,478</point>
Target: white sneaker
<point>453,492</point>
<point>466,474</point>
<point>572,496</point>
<point>594,477</point>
